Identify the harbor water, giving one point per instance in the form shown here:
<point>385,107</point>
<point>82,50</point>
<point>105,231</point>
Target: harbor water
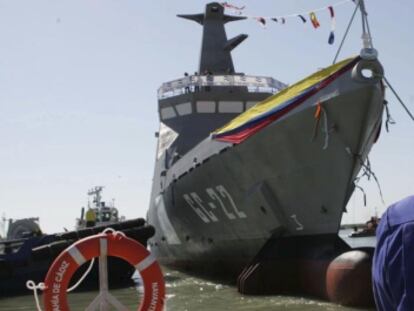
<point>188,293</point>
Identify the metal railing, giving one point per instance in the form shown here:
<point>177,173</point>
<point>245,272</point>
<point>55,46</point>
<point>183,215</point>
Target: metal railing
<point>195,83</point>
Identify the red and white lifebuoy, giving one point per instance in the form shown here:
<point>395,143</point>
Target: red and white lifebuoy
<point>116,245</point>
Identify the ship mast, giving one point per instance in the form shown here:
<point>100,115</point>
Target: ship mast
<point>96,192</point>
<point>216,49</point>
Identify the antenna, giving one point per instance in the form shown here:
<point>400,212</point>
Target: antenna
<point>96,192</point>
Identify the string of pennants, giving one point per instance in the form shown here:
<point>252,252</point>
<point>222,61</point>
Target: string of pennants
<point>304,17</point>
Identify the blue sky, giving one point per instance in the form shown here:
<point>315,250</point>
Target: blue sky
<point>78,81</point>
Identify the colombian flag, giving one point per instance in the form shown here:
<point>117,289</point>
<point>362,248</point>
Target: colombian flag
<point>276,106</point>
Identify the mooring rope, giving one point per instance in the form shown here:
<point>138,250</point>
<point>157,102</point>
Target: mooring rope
<point>399,98</point>
<point>368,28</point>
<point>346,32</point>
<point>114,232</point>
<point>32,286</point>
<point>41,286</point>
<point>82,277</point>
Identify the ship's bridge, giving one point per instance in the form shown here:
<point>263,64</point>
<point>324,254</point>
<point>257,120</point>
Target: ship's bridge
<point>192,107</point>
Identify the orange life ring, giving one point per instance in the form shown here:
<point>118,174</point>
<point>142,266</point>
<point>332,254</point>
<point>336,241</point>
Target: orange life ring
<point>117,245</point>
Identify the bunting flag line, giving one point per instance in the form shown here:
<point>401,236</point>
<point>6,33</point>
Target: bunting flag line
<point>237,9</point>
<point>231,6</point>
<point>295,15</point>
<point>302,18</point>
<point>262,20</point>
<point>331,39</point>
<point>314,20</point>
<point>282,20</point>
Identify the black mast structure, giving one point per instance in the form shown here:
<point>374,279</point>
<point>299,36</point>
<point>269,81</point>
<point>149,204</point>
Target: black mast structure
<point>216,48</point>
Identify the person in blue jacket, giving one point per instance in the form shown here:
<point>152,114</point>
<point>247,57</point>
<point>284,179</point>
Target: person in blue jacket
<point>393,263</point>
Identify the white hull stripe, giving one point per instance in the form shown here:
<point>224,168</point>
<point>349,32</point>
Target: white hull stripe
<point>76,255</point>
<point>103,243</point>
<point>145,263</point>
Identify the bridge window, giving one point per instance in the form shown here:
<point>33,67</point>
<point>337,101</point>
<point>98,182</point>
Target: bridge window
<point>206,107</point>
<point>230,106</point>
<point>184,109</point>
<point>168,113</point>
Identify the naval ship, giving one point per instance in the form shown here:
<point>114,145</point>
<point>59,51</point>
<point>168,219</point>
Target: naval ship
<point>245,160</point>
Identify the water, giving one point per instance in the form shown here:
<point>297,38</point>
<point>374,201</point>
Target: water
<point>188,293</point>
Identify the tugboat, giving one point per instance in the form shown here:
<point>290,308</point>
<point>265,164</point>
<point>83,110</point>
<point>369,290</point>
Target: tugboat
<point>247,166</point>
<point>30,258</point>
<point>368,230</point>
<point>27,253</point>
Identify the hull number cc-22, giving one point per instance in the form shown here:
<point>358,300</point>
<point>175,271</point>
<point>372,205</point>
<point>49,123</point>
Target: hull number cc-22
<point>219,197</point>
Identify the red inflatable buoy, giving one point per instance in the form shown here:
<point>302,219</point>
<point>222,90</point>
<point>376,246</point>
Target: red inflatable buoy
<point>348,279</point>
<point>116,245</point>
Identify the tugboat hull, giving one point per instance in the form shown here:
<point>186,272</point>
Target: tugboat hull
<point>30,258</point>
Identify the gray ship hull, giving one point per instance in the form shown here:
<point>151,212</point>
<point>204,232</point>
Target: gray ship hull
<point>218,205</point>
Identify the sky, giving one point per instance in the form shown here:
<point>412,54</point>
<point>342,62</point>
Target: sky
<point>78,82</point>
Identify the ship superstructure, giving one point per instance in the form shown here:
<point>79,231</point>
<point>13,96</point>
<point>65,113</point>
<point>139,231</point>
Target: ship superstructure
<point>106,213</point>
